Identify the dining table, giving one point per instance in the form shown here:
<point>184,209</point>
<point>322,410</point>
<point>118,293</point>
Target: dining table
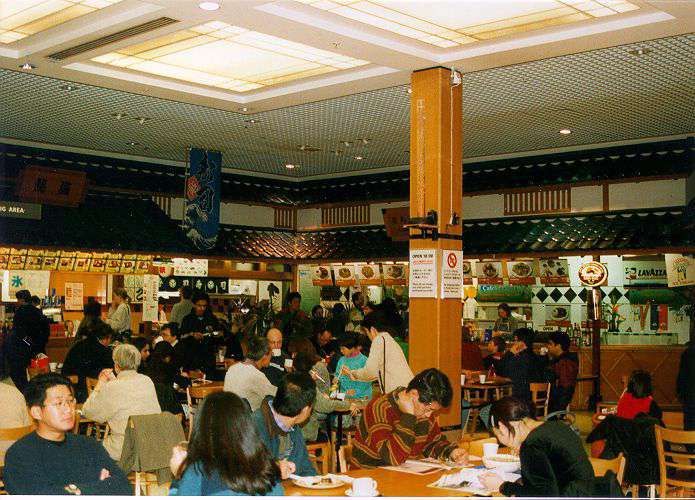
<point>390,483</point>
<point>490,390</point>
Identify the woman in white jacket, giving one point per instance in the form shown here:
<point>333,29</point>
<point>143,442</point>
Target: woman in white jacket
<point>386,362</point>
<point>118,317</point>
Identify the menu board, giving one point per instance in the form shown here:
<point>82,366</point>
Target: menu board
<point>17,262</point>
<point>395,274</point>
<point>74,296</point>
<point>368,274</point>
<point>344,275</point>
<point>322,276</point>
<point>127,266</point>
<point>33,263</point>
<point>66,263</point>
<point>50,263</point>
<point>489,273</point>
<point>113,265</point>
<point>82,262</point>
<point>467,269</point>
<point>554,271</point>
<point>521,272</point>
<point>423,273</point>
<point>190,267</point>
<point>557,315</point>
<point>150,291</point>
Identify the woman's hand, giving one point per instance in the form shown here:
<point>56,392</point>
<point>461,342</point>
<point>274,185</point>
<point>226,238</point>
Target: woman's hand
<point>355,409</point>
<point>459,455</point>
<point>178,455</point>
<point>286,468</point>
<point>491,481</point>
<point>106,375</point>
<point>345,371</point>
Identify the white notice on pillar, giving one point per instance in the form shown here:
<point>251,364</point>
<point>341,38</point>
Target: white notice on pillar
<point>423,273</point>
<point>150,303</point>
<point>452,274</point>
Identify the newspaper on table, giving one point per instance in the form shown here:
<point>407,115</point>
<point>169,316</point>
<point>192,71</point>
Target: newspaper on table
<point>468,480</point>
<point>420,467</point>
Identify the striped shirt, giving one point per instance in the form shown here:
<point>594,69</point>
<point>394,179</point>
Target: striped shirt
<point>386,436</point>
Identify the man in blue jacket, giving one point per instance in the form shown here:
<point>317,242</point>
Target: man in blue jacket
<point>278,421</point>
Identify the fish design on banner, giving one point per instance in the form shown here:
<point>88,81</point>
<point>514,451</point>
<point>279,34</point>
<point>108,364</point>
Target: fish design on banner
<point>202,216</point>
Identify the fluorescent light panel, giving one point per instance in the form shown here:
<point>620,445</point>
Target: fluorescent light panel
<point>450,23</point>
<point>22,18</point>
<point>229,57</point>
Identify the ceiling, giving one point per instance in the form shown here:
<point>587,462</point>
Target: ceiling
<point>268,82</point>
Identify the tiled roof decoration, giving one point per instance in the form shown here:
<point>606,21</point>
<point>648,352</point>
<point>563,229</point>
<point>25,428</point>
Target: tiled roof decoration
<point>638,160</point>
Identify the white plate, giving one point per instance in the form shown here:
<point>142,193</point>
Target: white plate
<point>334,484</point>
<point>349,493</point>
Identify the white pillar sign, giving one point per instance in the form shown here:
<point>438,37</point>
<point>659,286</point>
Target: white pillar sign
<point>423,273</point>
<point>452,274</point>
<point>150,303</point>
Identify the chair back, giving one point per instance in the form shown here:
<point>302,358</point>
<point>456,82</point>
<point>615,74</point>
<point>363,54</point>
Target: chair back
<point>673,420</point>
<point>540,397</point>
<point>91,384</point>
<point>676,462</point>
<point>617,465</point>
<point>15,433</point>
<point>345,457</point>
<point>73,379</point>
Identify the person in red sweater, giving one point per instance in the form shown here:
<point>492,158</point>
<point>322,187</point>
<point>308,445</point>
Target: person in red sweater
<point>638,397</point>
<point>402,424</point>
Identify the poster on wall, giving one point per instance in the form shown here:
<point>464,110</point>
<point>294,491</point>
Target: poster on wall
<point>190,267</point>
<point>467,272</point>
<point>452,277</point>
<point>243,287</point>
<point>395,274</point>
<point>368,274</point>
<point>680,270</point>
<point>74,296</point>
<point>557,315</point>
<point>489,273</point>
<point>554,271</point>
<point>521,272</point>
<point>133,285</point>
<point>344,275</point>
<point>268,289</point>
<point>645,272</point>
<point>150,296</point>
<point>322,276</point>
<point>37,282</point>
<point>423,273</point>
<point>202,204</point>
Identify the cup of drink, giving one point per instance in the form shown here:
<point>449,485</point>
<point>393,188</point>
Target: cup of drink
<point>490,449</point>
<point>364,487</point>
<point>53,366</point>
<point>277,353</point>
<point>482,377</point>
<point>463,379</point>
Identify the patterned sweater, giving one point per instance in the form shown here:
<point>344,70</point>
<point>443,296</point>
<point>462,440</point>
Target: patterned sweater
<point>386,436</point>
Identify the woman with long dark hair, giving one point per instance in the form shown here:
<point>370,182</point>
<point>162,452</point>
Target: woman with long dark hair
<point>225,456</point>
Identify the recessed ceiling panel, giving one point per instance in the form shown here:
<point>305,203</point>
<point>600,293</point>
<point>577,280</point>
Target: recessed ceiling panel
<point>452,23</point>
<point>21,18</point>
<point>225,56</point>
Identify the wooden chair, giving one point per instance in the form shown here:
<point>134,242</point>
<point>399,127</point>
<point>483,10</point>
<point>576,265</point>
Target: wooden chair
<point>145,481</point>
<point>540,397</point>
<point>12,434</point>
<point>345,458</point>
<point>616,465</point>
<point>320,453</point>
<point>676,464</point>
<point>673,420</point>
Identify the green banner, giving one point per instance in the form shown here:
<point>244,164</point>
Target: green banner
<point>504,293</point>
<point>667,296</point>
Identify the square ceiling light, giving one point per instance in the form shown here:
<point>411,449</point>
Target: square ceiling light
<point>21,18</point>
<point>450,23</point>
<point>228,57</point>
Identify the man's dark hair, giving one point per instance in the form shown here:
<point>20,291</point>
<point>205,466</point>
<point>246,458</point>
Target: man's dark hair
<point>509,409</point>
<point>561,339</point>
<point>92,308</point>
<point>297,391</point>
<point>525,335</point>
<point>640,384</point>
<point>35,391</point>
<point>350,341</point>
<point>102,330</point>
<point>23,295</point>
<point>293,295</point>
<point>173,328</point>
<point>356,296</point>
<point>256,347</point>
<point>303,362</point>
<point>433,386</point>
<point>377,319</point>
<point>35,300</point>
<point>505,307</point>
<point>140,342</point>
<point>186,292</point>
<point>500,343</point>
<point>200,295</point>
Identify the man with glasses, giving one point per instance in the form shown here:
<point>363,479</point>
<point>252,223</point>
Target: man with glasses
<point>52,460</point>
<point>402,425</point>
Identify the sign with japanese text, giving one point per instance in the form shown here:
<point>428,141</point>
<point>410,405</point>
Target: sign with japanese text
<point>51,186</point>
<point>37,282</point>
<point>423,273</point>
<point>74,296</point>
<point>150,298</point>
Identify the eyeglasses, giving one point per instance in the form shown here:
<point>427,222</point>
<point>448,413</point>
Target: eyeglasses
<point>63,403</point>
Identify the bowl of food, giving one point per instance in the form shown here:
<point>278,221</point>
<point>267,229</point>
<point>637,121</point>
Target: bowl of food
<point>321,273</point>
<point>395,272</point>
<point>465,267</point>
<point>559,313</point>
<point>490,270</point>
<point>521,270</point>
<point>367,272</point>
<point>344,272</point>
<point>502,462</point>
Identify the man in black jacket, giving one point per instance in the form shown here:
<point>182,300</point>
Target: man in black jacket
<point>88,357</point>
<point>198,340</point>
<point>685,386</point>
<point>29,337</point>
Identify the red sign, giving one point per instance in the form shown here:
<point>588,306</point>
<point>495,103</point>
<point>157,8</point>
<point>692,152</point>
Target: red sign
<point>51,186</point>
<point>451,260</point>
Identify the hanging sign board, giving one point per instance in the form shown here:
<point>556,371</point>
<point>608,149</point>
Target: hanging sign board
<point>467,269</point>
<point>395,274</point>
<point>521,272</point>
<point>368,274</point>
<point>645,272</point>
<point>322,276</point>
<point>680,269</point>
<point>423,273</point>
<point>190,267</point>
<point>554,271</point>
<point>37,282</point>
<point>452,276</point>
<point>489,273</point>
<point>344,275</point>
<point>593,274</point>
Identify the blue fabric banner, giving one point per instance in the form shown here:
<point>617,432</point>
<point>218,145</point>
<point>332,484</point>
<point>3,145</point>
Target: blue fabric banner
<point>202,218</point>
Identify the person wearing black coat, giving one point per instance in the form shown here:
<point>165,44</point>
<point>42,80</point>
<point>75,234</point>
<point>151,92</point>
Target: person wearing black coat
<point>87,357</point>
<point>28,338</point>
<point>520,364</point>
<point>197,346</point>
<point>685,386</point>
